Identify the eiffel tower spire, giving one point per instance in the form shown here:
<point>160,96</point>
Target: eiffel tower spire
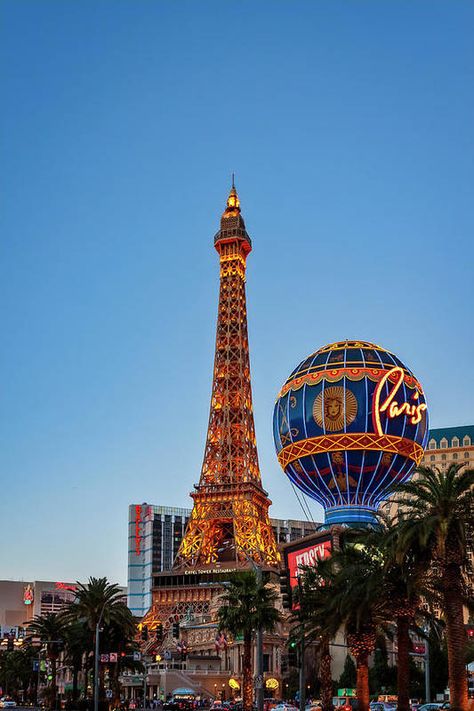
<point>229,521</point>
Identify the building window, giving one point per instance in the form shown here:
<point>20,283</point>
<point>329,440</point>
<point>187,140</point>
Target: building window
<point>466,455</point>
<point>455,442</point>
<point>444,443</point>
<point>466,441</point>
<point>455,455</point>
<point>443,457</point>
<point>433,458</point>
<point>432,444</point>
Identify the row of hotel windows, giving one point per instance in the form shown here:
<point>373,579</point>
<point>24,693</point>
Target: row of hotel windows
<point>466,442</point>
<point>451,456</point>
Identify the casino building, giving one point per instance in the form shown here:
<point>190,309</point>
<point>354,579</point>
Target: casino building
<point>21,600</point>
<point>154,537</point>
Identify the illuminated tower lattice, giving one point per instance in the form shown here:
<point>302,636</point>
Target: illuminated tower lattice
<point>229,522</point>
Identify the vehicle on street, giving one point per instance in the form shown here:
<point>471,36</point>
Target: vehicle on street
<point>285,707</point>
<point>7,703</point>
<point>345,703</point>
<point>269,704</point>
<point>429,707</point>
<point>382,706</point>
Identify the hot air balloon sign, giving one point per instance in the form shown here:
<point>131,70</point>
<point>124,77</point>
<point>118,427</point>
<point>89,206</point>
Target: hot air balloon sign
<point>350,423</point>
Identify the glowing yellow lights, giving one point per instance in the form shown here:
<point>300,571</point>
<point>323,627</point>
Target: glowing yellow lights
<point>233,201</point>
<point>412,410</point>
<point>351,441</point>
<point>234,684</point>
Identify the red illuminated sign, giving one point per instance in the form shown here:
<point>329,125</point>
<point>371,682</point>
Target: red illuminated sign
<point>28,595</point>
<point>65,586</point>
<point>307,557</point>
<point>138,530</point>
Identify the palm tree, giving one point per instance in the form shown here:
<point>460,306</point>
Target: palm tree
<point>99,602</point>
<point>436,515</point>
<point>50,628</point>
<point>402,586</point>
<point>310,623</point>
<point>248,605</point>
<point>344,591</point>
<point>77,643</point>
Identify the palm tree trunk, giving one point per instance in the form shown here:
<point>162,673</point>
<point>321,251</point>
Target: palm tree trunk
<point>54,690</point>
<point>325,676</point>
<point>86,674</point>
<point>362,665</point>
<point>456,636</point>
<point>247,686</point>
<point>403,667</point>
<point>75,673</point>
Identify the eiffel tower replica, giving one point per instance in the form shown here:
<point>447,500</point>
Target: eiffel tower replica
<point>229,521</point>
<point>229,528</point>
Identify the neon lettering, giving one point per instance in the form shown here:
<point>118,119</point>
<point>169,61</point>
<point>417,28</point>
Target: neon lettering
<point>138,536</point>
<point>393,409</point>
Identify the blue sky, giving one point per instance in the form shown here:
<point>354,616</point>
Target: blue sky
<point>349,126</point>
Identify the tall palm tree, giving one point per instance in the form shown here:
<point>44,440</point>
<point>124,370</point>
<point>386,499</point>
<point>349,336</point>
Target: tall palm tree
<point>310,622</point>
<point>402,585</point>
<point>99,602</point>
<point>344,591</point>
<point>436,514</point>
<point>77,644</point>
<point>248,605</point>
<point>50,628</point>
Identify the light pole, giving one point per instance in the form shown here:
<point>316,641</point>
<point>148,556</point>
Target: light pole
<point>96,660</point>
<point>301,653</point>
<point>427,670</point>
<point>259,646</point>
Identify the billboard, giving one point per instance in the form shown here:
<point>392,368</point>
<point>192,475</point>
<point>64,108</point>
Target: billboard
<point>307,554</point>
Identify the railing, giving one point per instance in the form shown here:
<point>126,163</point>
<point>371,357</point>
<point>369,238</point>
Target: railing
<point>178,667</point>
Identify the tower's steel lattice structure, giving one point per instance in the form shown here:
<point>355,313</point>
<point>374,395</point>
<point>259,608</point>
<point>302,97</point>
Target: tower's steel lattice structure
<point>229,521</point>
<point>229,527</point>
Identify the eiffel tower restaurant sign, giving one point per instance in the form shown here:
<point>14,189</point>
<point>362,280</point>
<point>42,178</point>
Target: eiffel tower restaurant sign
<point>350,423</point>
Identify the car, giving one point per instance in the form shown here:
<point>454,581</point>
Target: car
<point>345,703</point>
<point>7,703</point>
<point>285,707</point>
<point>382,706</point>
<point>429,707</point>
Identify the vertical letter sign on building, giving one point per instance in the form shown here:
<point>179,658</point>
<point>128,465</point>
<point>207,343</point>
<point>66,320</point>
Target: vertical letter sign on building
<point>138,529</point>
<point>350,423</point>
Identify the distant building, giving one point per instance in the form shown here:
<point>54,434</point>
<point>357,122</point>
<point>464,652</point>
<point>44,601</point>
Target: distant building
<point>154,537</point>
<point>447,445</point>
<point>21,600</point>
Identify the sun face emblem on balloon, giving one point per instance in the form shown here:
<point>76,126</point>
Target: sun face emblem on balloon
<point>337,413</point>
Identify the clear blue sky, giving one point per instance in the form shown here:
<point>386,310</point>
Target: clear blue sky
<point>350,128</point>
